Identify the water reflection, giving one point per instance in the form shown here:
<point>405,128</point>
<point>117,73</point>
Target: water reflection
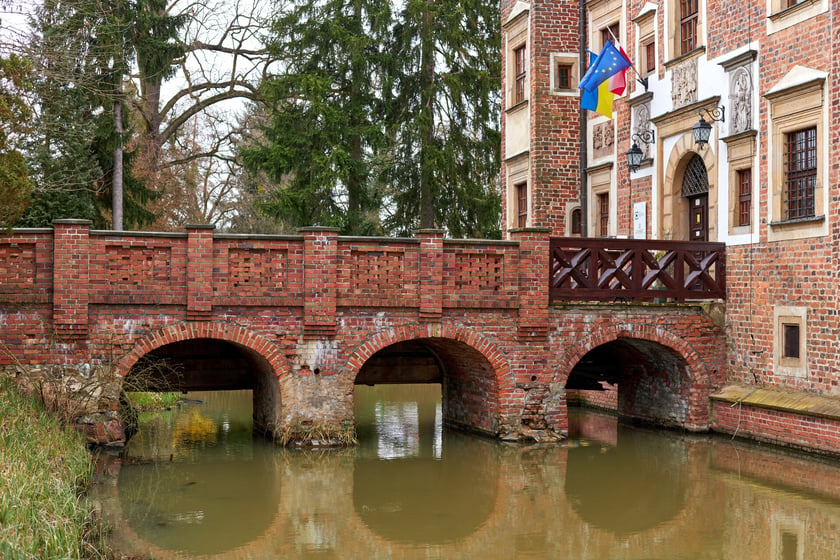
<point>415,490</point>
<point>422,484</point>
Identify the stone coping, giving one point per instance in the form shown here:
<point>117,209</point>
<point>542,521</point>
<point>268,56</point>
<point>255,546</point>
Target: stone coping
<point>794,402</point>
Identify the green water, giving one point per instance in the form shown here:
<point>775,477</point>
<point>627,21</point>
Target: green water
<point>195,484</point>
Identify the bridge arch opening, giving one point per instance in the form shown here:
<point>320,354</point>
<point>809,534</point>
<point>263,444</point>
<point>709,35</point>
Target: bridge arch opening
<point>405,393</point>
<point>468,381</point>
<point>641,379</point>
<point>209,364</point>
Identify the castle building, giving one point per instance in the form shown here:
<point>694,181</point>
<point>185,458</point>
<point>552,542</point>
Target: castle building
<point>763,75</point>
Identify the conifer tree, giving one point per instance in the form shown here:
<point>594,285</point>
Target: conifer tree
<point>444,118</point>
<point>325,130</point>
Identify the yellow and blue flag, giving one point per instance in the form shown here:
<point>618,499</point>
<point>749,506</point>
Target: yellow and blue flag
<point>609,62</point>
<point>601,98</point>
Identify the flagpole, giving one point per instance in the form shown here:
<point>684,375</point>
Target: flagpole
<point>639,78</point>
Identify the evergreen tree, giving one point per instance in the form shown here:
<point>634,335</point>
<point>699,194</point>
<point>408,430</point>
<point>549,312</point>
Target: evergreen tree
<point>78,155</point>
<point>15,185</point>
<point>324,133</point>
<point>444,118</point>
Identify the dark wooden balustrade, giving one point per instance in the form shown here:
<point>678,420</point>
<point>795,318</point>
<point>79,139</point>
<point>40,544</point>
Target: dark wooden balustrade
<point>599,269</point>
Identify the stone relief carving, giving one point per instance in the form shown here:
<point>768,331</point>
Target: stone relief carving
<point>684,83</point>
<point>641,124</point>
<point>603,137</point>
<point>740,99</point>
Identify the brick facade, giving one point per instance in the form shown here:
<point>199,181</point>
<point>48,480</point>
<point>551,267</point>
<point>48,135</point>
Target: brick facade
<point>774,71</point>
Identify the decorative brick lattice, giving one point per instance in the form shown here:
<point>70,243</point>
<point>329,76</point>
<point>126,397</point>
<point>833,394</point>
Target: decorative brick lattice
<point>139,268</point>
<point>377,272</point>
<point>256,272</point>
<point>479,271</point>
<point>17,266</point>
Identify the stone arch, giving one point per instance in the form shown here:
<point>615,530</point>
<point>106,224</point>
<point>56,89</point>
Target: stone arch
<point>674,223</point>
<point>192,330</point>
<point>698,378</point>
<point>470,365</point>
<point>413,331</point>
<point>270,363</point>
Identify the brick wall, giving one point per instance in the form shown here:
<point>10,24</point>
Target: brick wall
<point>310,310</point>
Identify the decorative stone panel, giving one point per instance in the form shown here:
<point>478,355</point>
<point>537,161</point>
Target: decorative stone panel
<point>684,83</point>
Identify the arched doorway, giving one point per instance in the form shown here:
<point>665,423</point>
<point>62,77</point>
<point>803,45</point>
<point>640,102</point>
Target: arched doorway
<point>695,189</point>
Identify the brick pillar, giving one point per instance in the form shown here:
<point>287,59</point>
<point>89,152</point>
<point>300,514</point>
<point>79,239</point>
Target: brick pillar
<point>431,274</point>
<point>71,278</point>
<point>533,281</point>
<point>320,255</point>
<point>199,272</point>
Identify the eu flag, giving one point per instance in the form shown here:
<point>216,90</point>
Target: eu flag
<point>608,63</point>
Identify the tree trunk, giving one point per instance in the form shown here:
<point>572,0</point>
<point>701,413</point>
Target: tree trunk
<point>427,117</point>
<point>117,183</point>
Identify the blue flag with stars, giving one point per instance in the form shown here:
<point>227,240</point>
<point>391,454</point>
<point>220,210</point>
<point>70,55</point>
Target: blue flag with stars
<point>610,61</point>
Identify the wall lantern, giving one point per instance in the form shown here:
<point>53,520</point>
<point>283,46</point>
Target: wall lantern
<point>635,154</point>
<point>703,130</point>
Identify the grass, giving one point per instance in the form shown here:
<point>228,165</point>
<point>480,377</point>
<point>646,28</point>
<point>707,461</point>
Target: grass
<point>44,468</point>
<point>143,402</point>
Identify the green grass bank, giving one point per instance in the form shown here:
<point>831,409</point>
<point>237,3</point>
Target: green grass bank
<point>44,469</point>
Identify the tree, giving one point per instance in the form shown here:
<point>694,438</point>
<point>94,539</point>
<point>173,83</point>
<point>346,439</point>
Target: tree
<point>444,101</point>
<point>82,51</point>
<point>15,185</point>
<point>77,84</point>
<point>324,132</point>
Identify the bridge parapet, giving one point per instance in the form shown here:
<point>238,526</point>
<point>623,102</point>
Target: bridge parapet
<point>599,269</point>
<point>73,267</point>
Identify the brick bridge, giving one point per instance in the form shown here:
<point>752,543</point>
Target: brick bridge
<point>302,319</point>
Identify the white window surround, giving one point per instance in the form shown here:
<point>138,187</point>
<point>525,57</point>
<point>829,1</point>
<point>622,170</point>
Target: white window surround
<point>797,101</point>
<point>780,17</point>
<point>570,59</point>
<point>790,315</point>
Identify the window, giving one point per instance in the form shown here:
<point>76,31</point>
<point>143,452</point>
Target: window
<point>744,196</point>
<point>800,173</point>
<point>798,155</point>
<point>791,341</point>
<point>521,190</point>
<point>649,54</point>
<point>688,25</point>
<point>576,228</point>
<point>520,72</point>
<point>604,214</point>
<point>792,3</point>
<point>564,76</point>
<point>610,34</point>
<point>790,546</point>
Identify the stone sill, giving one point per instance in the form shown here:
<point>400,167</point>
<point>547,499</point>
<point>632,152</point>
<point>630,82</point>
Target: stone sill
<point>793,402</point>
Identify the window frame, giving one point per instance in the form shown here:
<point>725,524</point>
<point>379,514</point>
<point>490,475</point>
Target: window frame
<point>787,318</point>
<point>800,174</point>
<point>744,210</point>
<point>797,102</point>
<point>688,25</point>
<point>520,188</point>
<point>603,214</point>
<point>520,73</point>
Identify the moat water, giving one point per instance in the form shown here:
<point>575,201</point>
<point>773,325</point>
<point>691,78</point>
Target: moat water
<point>194,483</point>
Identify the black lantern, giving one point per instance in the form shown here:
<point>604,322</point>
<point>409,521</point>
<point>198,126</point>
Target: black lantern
<point>703,130</point>
<point>635,154</point>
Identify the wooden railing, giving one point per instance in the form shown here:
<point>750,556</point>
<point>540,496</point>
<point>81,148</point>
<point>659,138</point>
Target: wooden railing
<point>598,269</point>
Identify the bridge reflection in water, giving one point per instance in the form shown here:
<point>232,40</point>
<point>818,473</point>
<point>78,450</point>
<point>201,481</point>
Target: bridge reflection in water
<point>415,490</point>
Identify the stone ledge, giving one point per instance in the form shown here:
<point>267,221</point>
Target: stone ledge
<point>794,402</point>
